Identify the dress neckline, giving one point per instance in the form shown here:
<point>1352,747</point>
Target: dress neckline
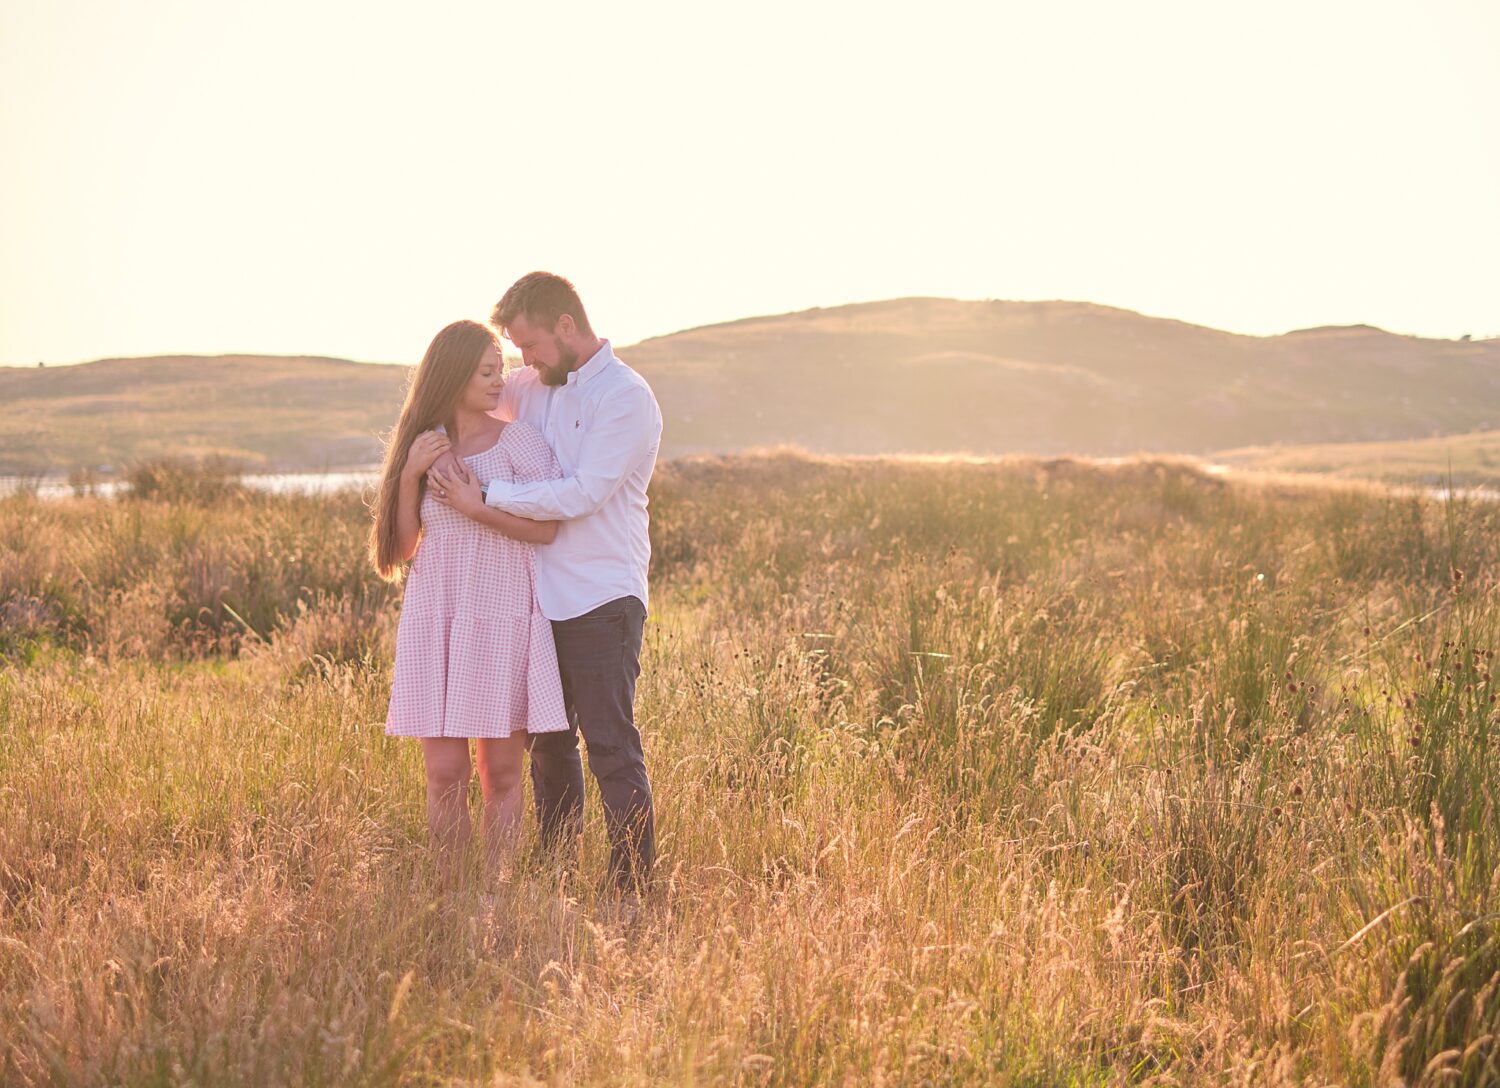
<point>493,448</point>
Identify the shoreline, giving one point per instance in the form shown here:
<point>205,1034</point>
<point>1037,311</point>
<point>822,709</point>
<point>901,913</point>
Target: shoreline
<point>331,480</point>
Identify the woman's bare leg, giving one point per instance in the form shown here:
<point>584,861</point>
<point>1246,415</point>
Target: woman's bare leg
<point>500,777</point>
<point>447,760</point>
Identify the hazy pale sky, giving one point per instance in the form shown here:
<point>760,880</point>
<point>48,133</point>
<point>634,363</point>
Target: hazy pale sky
<point>339,178</point>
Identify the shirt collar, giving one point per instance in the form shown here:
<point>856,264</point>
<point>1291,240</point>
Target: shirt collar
<point>597,362</point>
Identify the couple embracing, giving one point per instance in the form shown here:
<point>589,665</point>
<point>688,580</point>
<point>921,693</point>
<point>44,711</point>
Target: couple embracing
<point>520,506</point>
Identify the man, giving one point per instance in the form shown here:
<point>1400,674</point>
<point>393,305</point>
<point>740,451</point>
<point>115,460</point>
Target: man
<point>602,421</point>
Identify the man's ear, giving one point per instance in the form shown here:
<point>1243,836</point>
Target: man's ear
<point>566,328</point>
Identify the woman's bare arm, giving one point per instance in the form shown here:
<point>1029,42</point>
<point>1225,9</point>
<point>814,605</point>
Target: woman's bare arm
<point>408,517</point>
<point>463,495</point>
<point>428,447</point>
<point>517,528</point>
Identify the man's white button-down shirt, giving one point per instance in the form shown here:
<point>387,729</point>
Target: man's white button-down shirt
<point>605,428</point>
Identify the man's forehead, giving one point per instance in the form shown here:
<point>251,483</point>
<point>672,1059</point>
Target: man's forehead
<point>519,329</point>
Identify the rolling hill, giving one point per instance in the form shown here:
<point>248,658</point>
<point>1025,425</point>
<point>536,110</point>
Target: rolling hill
<point>907,375</point>
<point>1053,377</point>
<point>266,412</point>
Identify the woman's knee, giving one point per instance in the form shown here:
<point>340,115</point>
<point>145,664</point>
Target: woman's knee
<point>447,767</point>
<point>500,765</point>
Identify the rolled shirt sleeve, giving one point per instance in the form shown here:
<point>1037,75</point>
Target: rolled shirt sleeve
<point>626,428</point>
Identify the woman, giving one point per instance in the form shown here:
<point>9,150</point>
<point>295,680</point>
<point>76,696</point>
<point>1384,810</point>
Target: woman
<point>474,655</point>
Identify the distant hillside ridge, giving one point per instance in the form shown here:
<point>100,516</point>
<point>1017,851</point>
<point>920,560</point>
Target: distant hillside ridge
<point>265,412</point>
<point>929,375</point>
<point>910,375</point>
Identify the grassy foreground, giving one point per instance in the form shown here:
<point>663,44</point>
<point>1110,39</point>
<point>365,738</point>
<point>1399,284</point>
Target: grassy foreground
<point>1035,773</point>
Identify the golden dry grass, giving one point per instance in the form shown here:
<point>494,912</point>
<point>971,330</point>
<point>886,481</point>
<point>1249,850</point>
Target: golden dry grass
<point>1036,773</point>
<point>1459,460</point>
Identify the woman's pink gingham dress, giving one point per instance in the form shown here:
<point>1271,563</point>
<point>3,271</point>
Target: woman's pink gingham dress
<point>474,654</point>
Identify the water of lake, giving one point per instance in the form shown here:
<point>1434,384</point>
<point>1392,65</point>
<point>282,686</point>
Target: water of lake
<point>281,483</point>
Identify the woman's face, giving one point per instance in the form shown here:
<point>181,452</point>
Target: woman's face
<point>482,394</point>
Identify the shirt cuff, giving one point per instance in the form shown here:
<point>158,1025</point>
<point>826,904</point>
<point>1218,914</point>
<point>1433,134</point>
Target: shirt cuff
<point>496,492</point>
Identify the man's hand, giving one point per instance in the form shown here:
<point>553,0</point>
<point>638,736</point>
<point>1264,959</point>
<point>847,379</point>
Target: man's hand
<point>455,492</point>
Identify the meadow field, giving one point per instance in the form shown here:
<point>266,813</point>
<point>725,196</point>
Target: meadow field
<point>1463,461</point>
<point>1032,773</point>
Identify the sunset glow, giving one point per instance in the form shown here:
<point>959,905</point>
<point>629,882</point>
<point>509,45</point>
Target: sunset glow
<point>343,179</point>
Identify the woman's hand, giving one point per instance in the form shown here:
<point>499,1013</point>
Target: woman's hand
<point>459,492</point>
<point>426,448</point>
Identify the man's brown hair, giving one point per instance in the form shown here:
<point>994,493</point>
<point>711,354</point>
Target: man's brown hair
<point>541,298</point>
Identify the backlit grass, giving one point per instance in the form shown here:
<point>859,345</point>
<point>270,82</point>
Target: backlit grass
<point>1039,773</point>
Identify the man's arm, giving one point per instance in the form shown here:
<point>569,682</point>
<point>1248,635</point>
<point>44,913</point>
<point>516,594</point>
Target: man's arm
<point>627,426</point>
<point>463,495</point>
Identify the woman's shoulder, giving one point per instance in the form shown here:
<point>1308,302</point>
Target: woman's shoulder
<point>521,434</point>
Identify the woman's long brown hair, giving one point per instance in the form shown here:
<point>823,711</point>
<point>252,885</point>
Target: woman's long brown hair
<point>431,398</point>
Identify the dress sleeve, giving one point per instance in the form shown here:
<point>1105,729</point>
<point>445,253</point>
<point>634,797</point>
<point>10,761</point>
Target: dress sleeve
<point>531,459</point>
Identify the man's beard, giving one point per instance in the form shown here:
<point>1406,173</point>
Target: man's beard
<point>567,362</point>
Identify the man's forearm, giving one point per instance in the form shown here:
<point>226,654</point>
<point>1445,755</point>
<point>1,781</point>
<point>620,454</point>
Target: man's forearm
<point>544,500</point>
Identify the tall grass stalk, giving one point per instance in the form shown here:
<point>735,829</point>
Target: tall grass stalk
<point>1038,773</point>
